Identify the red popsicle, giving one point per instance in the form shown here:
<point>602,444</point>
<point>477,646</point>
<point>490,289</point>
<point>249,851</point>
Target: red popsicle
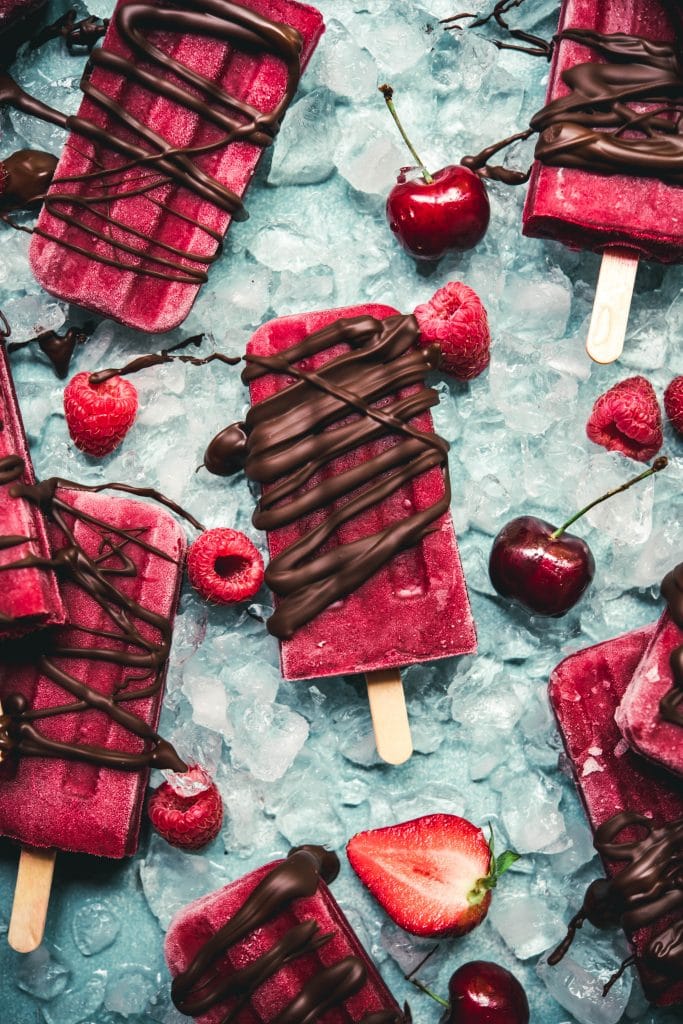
<point>585,691</point>
<point>81,702</point>
<point>176,115</point>
<point>275,948</point>
<point>364,562</point>
<point>623,214</point>
<point>115,642</point>
<point>29,597</point>
<point>639,714</point>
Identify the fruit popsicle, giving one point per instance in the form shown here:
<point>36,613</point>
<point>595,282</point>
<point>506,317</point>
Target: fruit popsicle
<point>29,597</point>
<point>81,702</point>
<point>275,948</point>
<point>650,714</point>
<point>608,191</point>
<point>176,114</point>
<point>618,788</point>
<point>364,562</point>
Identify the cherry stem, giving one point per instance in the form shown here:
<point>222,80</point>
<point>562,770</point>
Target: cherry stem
<point>388,94</point>
<point>427,991</point>
<point>661,463</point>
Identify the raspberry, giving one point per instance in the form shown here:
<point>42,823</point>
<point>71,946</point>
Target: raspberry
<point>224,566</point>
<point>627,419</point>
<point>99,417</point>
<point>673,403</point>
<point>455,320</point>
<point>187,819</point>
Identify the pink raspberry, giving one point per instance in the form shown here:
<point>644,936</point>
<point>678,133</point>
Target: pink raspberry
<point>224,566</point>
<point>188,821</point>
<point>456,321</point>
<point>627,419</point>
<point>673,403</point>
<point>99,415</point>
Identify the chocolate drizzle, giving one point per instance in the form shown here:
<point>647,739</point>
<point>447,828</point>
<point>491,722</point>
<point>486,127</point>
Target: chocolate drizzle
<point>297,433</point>
<point>58,348</point>
<point>209,980</point>
<point>601,126</point>
<point>671,704</point>
<point>165,356</point>
<point>125,642</point>
<point>647,891</point>
<point>79,36</point>
<point>160,163</point>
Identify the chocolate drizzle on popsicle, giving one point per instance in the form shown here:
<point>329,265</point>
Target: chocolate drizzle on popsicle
<point>646,891</point>
<point>106,237</point>
<point>601,125</point>
<point>357,397</point>
<point>126,640</point>
<point>671,704</point>
<point>209,980</point>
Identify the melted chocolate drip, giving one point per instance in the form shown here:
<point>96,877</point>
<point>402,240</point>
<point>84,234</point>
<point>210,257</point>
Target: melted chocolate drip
<point>160,163</point>
<point>204,983</point>
<point>79,36</point>
<point>647,890</point>
<point>536,45</point>
<point>25,177</point>
<point>227,452</point>
<point>300,430</point>
<point>671,704</point>
<point>165,356</point>
<point>59,348</point>
<point>596,127</point>
<point>126,645</point>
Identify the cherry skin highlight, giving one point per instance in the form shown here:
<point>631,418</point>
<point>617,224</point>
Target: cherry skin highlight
<point>481,992</point>
<point>431,218</point>
<point>545,575</point>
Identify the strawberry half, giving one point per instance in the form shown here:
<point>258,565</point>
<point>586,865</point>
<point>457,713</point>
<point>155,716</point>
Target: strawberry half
<point>432,875</point>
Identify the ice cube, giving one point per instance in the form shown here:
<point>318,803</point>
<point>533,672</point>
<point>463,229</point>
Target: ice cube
<point>267,737</point>
<point>42,975</point>
<point>577,983</point>
<point>95,927</point>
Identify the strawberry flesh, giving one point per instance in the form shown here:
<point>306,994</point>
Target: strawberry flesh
<point>424,873</point>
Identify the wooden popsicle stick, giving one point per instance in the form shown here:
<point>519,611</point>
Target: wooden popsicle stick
<point>31,899</point>
<point>389,715</point>
<point>607,330</point>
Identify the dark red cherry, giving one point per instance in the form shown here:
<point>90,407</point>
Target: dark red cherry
<point>482,992</point>
<point>545,575</point>
<point>432,214</point>
<point>431,218</point>
<point>544,568</point>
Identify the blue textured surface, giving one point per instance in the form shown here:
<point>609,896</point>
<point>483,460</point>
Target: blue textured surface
<point>486,743</point>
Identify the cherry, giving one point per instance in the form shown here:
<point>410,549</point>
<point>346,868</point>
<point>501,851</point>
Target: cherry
<point>543,568</point>
<point>481,992</point>
<point>432,214</point>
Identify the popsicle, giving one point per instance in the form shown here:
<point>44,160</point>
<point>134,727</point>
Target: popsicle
<point>364,562</point>
<point>650,714</point>
<point>615,192</point>
<point>29,597</point>
<point>619,789</point>
<point>176,114</point>
<point>81,701</point>
<point>275,948</point>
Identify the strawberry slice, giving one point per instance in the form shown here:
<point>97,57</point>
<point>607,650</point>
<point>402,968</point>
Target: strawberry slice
<point>432,875</point>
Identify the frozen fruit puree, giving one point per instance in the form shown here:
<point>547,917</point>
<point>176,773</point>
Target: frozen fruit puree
<point>275,948</point>
<point>29,597</point>
<point>81,702</point>
<point>176,114</point>
<point>607,171</point>
<point>364,562</point>
<point>650,714</point>
<point>621,792</point>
